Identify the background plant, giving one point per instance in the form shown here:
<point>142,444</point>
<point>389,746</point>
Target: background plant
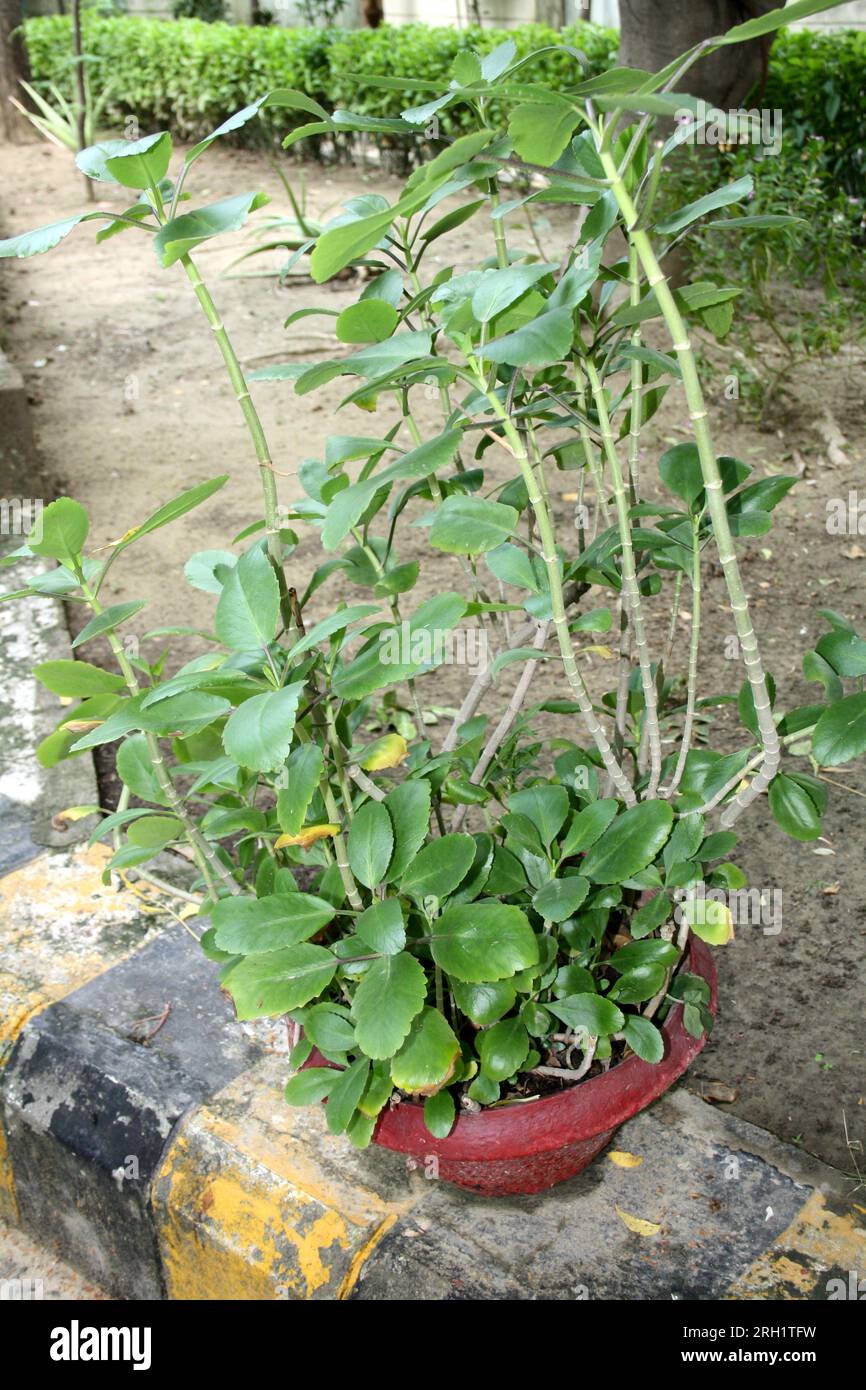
<point>461,965</point>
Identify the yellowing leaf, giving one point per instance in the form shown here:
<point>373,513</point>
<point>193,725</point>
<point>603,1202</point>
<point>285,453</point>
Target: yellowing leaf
<point>637,1224</point>
<point>307,836</point>
<point>389,751</point>
<point>624,1160</point>
<point>604,652</point>
<point>73,813</point>
<point>710,920</point>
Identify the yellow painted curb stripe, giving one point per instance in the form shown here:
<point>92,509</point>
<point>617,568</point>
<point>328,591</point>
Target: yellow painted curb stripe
<point>817,1240</point>
<point>256,1200</point>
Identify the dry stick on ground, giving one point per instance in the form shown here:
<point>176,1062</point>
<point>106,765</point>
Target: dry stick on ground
<point>569,1073</point>
<point>503,728</point>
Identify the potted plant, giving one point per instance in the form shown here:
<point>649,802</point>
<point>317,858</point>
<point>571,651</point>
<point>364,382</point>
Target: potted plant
<point>492,949</point>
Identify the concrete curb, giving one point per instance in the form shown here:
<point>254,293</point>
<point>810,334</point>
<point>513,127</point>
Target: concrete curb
<point>143,1130</point>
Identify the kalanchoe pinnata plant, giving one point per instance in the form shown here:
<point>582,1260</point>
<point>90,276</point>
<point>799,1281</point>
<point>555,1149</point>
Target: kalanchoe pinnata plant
<point>420,956</point>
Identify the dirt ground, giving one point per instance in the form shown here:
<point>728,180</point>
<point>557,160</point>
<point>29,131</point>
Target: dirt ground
<point>131,406</point>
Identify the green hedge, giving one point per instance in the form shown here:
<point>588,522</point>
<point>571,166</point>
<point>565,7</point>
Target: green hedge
<point>817,81</point>
<point>189,75</point>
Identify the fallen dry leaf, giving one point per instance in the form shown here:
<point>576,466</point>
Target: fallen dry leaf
<point>832,889</point>
<point>624,1160</point>
<point>637,1224</point>
<point>718,1093</point>
<point>854,552</point>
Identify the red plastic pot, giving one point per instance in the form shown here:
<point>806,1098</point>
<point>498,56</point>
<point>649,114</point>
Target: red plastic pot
<point>527,1148</point>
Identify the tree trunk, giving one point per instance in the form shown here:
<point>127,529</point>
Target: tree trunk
<point>726,77</point>
<point>13,67</point>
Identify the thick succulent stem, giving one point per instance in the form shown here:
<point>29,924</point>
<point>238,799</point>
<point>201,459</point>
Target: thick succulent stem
<point>253,424</point>
<point>715,496</point>
<point>694,646</point>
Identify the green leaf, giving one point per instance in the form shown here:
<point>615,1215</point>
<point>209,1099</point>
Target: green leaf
<point>477,942</point>
<point>844,651</point>
<point>76,678</point>
<point>185,502</point>
<point>155,832</point>
<point>183,234</point>
<point>336,622</point>
<point>680,471</point>
<point>135,769</point>
<point>249,606</point>
<point>540,343</point>
<point>349,241</point>
<point>649,952</point>
<point>401,652</point>
<point>439,867</point>
<point>545,805</point>
<point>499,288</point>
<point>61,531</point>
<point>386,1001</point>
<point>503,1048</point>
<point>470,525</point>
<point>644,1038</point>
<point>630,843</point>
<point>143,163</point>
<point>793,808</point>
<point>327,1028</point>
<point>370,843</point>
<point>408,805</point>
<point>587,826</point>
<point>428,1056</point>
<point>278,981</point>
<point>769,23</point>
<point>40,239</point>
<point>311,1085</point>
<point>246,926</point>
<point>303,771</point>
<point>719,198</point>
<point>344,1096</point>
<point>381,928</point>
<point>258,734</point>
<point>540,131</point>
<point>560,898</point>
<point>650,916</point>
<point>484,1003</point>
<point>591,1012</point>
<point>368,321</point>
<point>108,620</point>
<point>439,1111</point>
<point>840,733</point>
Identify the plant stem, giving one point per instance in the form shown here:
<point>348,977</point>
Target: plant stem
<point>209,865</point>
<point>631,591</point>
<point>253,423</point>
<point>715,499</point>
<point>554,579</point>
<point>636,411</point>
<point>694,646</point>
<point>503,728</point>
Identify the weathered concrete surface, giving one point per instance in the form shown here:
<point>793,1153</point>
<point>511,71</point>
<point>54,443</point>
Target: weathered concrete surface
<point>731,1213</point>
<point>30,1269</point>
<point>93,1091</point>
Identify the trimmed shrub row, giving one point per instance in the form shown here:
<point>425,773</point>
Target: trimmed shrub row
<point>190,74</point>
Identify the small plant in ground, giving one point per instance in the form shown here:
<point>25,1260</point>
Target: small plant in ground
<point>470,928</point>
